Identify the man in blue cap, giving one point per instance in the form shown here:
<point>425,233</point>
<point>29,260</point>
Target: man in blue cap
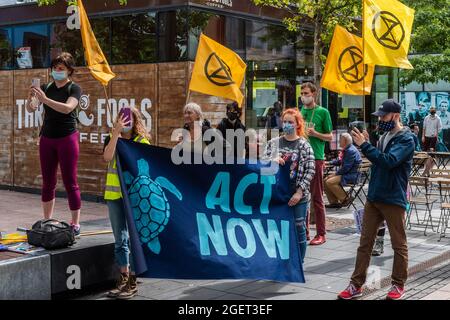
<point>386,199</point>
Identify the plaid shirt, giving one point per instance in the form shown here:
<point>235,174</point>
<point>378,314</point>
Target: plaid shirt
<point>301,156</point>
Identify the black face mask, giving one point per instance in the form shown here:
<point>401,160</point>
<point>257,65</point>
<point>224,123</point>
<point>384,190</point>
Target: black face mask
<point>232,116</point>
<point>433,113</point>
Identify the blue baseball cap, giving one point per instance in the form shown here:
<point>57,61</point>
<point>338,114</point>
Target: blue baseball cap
<point>389,106</point>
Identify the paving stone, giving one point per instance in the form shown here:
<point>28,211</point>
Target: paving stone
<point>199,294</point>
<point>437,295</point>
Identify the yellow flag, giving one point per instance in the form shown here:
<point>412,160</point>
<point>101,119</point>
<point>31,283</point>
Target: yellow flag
<point>344,71</point>
<point>96,61</point>
<point>387,33</point>
<point>218,71</point>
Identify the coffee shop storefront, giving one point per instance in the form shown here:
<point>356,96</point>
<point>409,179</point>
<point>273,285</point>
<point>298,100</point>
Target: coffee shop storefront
<point>151,46</point>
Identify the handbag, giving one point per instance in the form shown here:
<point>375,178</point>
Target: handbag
<point>51,234</point>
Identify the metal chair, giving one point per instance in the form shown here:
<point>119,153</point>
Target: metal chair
<point>444,192</point>
<point>421,200</point>
<point>354,191</point>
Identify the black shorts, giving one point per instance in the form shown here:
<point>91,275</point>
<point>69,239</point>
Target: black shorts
<point>430,143</point>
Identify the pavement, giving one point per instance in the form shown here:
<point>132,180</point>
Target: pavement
<point>327,267</point>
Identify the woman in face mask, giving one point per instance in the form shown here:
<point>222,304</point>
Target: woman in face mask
<point>232,123</point>
<point>294,150</point>
<point>133,130</point>
<point>59,138</point>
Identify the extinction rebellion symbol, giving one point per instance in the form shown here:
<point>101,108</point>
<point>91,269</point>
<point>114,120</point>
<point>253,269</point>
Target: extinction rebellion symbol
<point>217,71</point>
<point>388,30</point>
<point>351,65</point>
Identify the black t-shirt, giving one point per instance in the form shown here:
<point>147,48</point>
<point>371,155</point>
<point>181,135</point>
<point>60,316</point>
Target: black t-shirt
<point>57,124</point>
<point>225,125</point>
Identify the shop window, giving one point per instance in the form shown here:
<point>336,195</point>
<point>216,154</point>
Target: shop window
<point>271,45</point>
<point>172,35</point>
<point>210,24</point>
<point>235,35</point>
<point>63,39</point>
<point>134,38</point>
<point>6,51</point>
<point>31,46</point>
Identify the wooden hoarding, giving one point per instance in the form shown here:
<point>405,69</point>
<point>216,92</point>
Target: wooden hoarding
<point>159,91</point>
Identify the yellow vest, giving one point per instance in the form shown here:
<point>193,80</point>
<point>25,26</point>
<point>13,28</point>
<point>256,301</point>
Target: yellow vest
<point>112,189</point>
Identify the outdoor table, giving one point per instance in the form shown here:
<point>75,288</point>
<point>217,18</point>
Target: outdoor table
<point>442,159</point>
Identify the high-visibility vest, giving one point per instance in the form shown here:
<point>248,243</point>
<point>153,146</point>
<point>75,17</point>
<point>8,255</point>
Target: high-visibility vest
<point>112,189</point>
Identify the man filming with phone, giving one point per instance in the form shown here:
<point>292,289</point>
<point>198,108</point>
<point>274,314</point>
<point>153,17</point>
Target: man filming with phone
<point>386,198</point>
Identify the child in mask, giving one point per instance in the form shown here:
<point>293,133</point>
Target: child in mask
<point>294,149</point>
<point>133,130</point>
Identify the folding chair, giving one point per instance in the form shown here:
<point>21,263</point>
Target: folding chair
<point>354,190</point>
<point>440,173</point>
<point>436,174</point>
<point>444,192</point>
<point>419,161</point>
<point>421,200</point>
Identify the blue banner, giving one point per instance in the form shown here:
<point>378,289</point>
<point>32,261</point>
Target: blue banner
<point>201,221</point>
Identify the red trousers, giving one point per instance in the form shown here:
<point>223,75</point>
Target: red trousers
<point>317,203</point>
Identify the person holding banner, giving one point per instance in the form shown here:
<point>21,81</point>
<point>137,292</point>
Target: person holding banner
<point>59,138</point>
<point>233,123</point>
<point>294,148</point>
<point>195,127</point>
<point>386,198</point>
<point>131,129</point>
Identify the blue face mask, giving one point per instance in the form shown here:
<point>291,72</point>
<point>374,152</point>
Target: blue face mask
<point>386,126</point>
<point>59,75</point>
<point>127,129</point>
<point>288,128</point>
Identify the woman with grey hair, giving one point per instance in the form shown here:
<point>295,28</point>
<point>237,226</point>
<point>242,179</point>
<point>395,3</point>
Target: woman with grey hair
<point>348,162</point>
<point>195,128</point>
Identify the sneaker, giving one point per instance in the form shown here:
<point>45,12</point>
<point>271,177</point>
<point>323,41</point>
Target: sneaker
<point>76,230</point>
<point>378,248</point>
<point>396,293</point>
<point>121,284</point>
<point>130,289</point>
<point>351,292</point>
<point>318,240</point>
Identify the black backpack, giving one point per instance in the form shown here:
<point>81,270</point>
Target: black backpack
<point>51,234</point>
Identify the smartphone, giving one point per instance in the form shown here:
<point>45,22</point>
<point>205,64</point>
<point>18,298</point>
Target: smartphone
<point>126,112</point>
<point>357,124</point>
<point>36,82</point>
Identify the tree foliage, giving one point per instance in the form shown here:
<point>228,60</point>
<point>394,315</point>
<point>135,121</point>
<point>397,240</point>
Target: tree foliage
<point>323,15</point>
<point>430,41</point>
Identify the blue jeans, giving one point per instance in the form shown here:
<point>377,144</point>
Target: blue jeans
<point>118,220</point>
<point>300,224</point>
